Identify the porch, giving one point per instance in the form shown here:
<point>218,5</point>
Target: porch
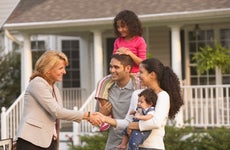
<point>205,106</point>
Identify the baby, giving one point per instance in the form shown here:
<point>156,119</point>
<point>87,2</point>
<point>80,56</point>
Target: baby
<point>145,111</point>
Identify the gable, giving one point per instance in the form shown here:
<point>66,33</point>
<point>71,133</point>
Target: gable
<point>6,7</point>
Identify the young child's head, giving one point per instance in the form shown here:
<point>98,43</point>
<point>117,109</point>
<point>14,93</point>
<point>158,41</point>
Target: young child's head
<point>147,98</point>
<point>127,19</point>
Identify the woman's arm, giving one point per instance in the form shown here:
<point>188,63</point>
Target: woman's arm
<point>144,117</point>
<point>110,121</point>
<point>51,102</point>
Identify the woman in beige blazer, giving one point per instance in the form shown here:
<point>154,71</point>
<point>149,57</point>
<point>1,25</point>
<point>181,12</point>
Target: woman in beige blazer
<point>39,126</point>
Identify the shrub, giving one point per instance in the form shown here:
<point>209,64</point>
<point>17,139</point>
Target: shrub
<point>10,78</point>
<point>197,139</point>
<point>186,138</point>
<point>89,142</point>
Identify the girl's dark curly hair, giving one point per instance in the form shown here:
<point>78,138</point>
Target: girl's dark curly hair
<point>168,81</point>
<point>131,20</point>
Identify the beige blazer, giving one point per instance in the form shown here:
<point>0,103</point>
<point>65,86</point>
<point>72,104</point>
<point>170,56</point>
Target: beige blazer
<point>41,109</point>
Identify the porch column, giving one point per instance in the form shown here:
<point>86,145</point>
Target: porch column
<point>98,56</point>
<point>177,63</point>
<point>26,62</point>
<point>52,41</point>
<point>6,44</point>
<point>176,50</point>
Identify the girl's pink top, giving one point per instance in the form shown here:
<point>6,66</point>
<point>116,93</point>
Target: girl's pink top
<point>136,45</point>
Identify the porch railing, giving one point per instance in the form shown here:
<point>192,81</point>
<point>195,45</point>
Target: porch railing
<point>10,118</point>
<point>205,106</point>
<point>72,97</point>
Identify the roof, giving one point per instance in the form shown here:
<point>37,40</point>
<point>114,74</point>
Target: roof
<point>83,12</point>
<point>53,10</point>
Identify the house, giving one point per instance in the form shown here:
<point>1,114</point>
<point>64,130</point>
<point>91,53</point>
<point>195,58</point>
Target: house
<point>173,30</point>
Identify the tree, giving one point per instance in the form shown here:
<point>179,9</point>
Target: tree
<point>10,78</point>
<point>216,57</point>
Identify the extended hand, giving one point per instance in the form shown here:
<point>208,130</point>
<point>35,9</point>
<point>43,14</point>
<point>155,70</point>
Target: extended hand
<point>96,118</point>
<point>107,119</point>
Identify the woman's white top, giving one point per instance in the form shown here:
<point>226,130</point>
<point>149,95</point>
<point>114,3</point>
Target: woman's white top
<point>156,124</point>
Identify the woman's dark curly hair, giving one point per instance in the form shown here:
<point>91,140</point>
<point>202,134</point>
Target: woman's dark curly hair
<point>168,81</point>
<point>131,20</point>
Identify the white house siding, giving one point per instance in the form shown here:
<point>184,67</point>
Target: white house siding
<point>159,43</point>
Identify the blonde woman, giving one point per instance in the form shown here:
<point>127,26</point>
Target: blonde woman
<point>39,126</point>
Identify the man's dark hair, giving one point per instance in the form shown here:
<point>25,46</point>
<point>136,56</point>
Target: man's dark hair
<point>124,59</point>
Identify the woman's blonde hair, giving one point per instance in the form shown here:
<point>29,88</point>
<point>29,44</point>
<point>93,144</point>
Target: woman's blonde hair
<point>47,61</point>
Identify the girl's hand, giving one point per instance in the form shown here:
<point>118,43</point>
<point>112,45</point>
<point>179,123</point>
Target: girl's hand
<point>123,50</point>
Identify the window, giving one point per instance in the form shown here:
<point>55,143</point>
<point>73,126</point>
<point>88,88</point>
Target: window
<point>72,77</point>
<point>201,39</point>
<point>38,45</point>
<point>197,40</point>
<point>225,42</point>
<point>37,48</point>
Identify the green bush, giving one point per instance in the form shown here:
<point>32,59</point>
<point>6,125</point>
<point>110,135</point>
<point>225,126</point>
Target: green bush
<point>197,139</point>
<point>89,142</point>
<point>10,78</point>
<point>210,57</point>
<point>187,138</point>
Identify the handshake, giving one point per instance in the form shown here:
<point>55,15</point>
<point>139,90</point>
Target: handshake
<point>96,118</point>
<point>103,116</point>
